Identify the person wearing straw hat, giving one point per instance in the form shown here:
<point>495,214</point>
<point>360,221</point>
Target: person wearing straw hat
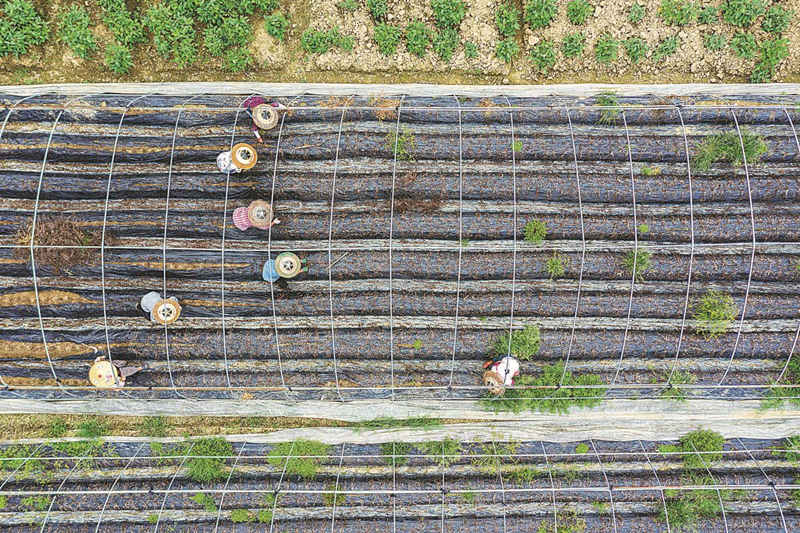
<point>160,310</point>
<point>265,114</point>
<point>107,375</point>
<point>284,267</point>
<point>500,373</point>
<point>241,157</point>
<point>258,214</point>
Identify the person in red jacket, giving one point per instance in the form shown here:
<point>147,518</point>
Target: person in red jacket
<point>265,114</point>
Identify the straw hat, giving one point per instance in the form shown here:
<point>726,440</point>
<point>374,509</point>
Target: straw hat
<point>244,156</point>
<point>493,380</point>
<point>102,375</point>
<point>259,213</point>
<point>265,116</point>
<point>166,311</point>
<point>287,265</point>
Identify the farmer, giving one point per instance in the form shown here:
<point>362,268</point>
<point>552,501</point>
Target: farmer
<point>241,157</point>
<point>500,372</point>
<point>258,214</point>
<point>159,310</point>
<point>285,266</point>
<point>107,375</point>
<point>264,114</point>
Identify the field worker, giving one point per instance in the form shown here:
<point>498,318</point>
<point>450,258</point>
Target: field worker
<point>285,266</point>
<point>265,114</point>
<point>160,310</point>
<point>258,214</point>
<point>500,373</point>
<point>105,375</point>
<point>241,157</point>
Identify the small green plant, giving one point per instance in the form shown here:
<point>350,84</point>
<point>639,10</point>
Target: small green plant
<point>666,48</point>
<point>610,112</point>
<point>791,451</point>
<point>387,38</point>
<point>348,5</point>
<point>470,50</point>
<point>744,45</point>
<point>126,27</point>
<point>677,12</point>
<point>601,507</point>
<point>418,38</point>
<point>264,516</point>
<point>399,450</point>
<point>507,19</point>
<point>643,229</point>
<point>707,15</point>
<point>556,266</point>
<point>708,443</point>
<point>535,231</point>
<point>291,456</point>
<point>776,20</point>
<point>540,13</point>
<point>205,501</point>
<point>674,391</point>
<point>445,43</point>
<point>636,13</point>
<point>582,448</point>
<point>651,171</point>
<point>578,11</point>
<point>685,509</point>
<point>606,49</point>
<point>91,429</point>
<point>57,429</point>
<point>742,13</point>
<point>238,60</point>
<point>729,147</point>
<point>772,53</point>
<point>35,503</point>
<point>524,475</point>
<point>448,13</point>
<point>464,243</point>
<point>378,9</point>
<point>118,58</point>
<point>239,516</point>
<point>232,33</point>
<point>276,25</point>
<point>154,426</point>
<point>417,344</point>
<point>543,56</point>
<point>422,422</point>
<point>21,28</point>
<point>74,31</point>
<point>523,344</point>
<point>507,49</point>
<point>715,42</point>
<point>444,452</point>
<point>152,518</point>
<point>332,497</point>
<point>637,262</point>
<point>516,146</point>
<point>319,42</point>
<point>636,48</point>
<point>488,458</point>
<point>402,146</point>
<point>207,460</point>
<point>778,395</point>
<point>468,497</point>
<point>714,313</point>
<point>573,44</point>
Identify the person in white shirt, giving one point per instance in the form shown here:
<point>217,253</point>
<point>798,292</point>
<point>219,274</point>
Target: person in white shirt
<point>500,373</point>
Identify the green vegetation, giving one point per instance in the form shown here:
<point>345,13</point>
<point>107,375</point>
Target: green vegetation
<point>714,313</point>
<point>651,171</point>
<point>675,392</point>
<point>778,395</point>
<point>332,497</point>
<point>573,44</point>
<point>206,501</point>
<point>489,457</point>
<point>792,450</point>
<point>417,344</point>
<point>57,428</point>
<point>556,266</point>
<point>582,448</point>
<point>540,13</point>
<point>445,43</point>
<point>729,147</point>
<point>535,231</point>
<point>507,49</point>
<point>208,469</point>
<point>516,146</point>
<point>319,42</point>
<point>637,262</point>
<point>636,48</point>
<point>772,53</point>
<point>239,516</point>
<point>403,145</point>
<point>118,58</point>
<point>387,37</point>
<point>636,13</point>
<point>291,455</point>
<point>152,518</point>
<point>611,111</point>
<point>154,426</point>
<point>468,497</point>
<point>470,50</point>
<point>543,56</point>
<point>74,31</point>
<point>776,20</point>
<point>448,13</point>
<point>715,41</point>
<point>35,503</point>
<point>666,48</point>
<point>418,38</point>
<point>744,45</point>
<point>578,11</point>
<point>21,28</point>
<point>237,60</point>
<point>444,452</point>
<point>276,25</point>
<point>507,19</point>
<point>92,429</point>
<point>601,507</point>
<point>174,34</point>
<point>126,27</point>
<point>677,12</point>
<point>606,49</point>
<point>389,422</point>
<point>707,15</point>
<point>521,343</point>
<point>524,475</point>
<point>643,229</point>
<point>378,9</point>
<point>554,399</point>
<point>348,5</point>
<point>742,13</point>
<point>400,450</point>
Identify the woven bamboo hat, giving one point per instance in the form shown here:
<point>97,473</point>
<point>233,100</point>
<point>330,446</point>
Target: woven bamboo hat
<point>102,375</point>
<point>244,156</point>
<point>166,311</point>
<point>287,265</point>
<point>259,213</point>
<point>265,116</point>
<point>493,380</point>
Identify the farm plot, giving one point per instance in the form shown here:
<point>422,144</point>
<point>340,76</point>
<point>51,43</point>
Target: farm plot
<point>611,230</point>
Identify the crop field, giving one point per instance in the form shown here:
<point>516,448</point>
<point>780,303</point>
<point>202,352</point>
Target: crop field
<point>702,482</point>
<point>620,247</point>
<point>443,41</point>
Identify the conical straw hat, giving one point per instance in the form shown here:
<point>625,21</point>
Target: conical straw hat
<point>166,311</point>
<point>244,156</point>
<point>287,265</point>
<point>265,116</point>
<point>259,213</point>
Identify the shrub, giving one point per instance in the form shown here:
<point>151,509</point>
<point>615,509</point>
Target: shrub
<point>555,266</point>
<point>378,9</point>
<point>535,231</point>
<point>606,49</point>
<point>638,260</point>
<point>448,13</point>
<point>636,13</point>
<point>714,313</point>
<point>295,464</point>
<point>636,48</point>
<point>232,32</point>
<point>741,13</point>
<point>445,43</point>
<point>578,11</point>
<point>772,53</point>
<point>707,15</point>
<point>677,12</point>
<point>206,501</point>
<point>524,343</point>
<point>75,33</point>
<point>666,48</point>
<point>348,5</point>
<point>744,44</point>
<point>573,44</point>
<point>507,49</point>
<point>776,20</point>
<point>418,37</point>
<point>470,50</point>
<point>507,19</point>
<point>21,28</point>
<point>543,56</point>
<point>715,41</point>
<point>728,147</point>
<point>173,33</point>
<point>540,13</point>
<point>238,60</point>
<point>118,58</point>
<point>208,469</point>
<point>276,25</point>
<point>127,29</point>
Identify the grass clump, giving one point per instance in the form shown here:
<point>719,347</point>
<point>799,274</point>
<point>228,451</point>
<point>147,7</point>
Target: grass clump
<point>535,231</point>
<point>744,45</point>
<point>205,501</point>
<point>332,497</point>
<point>118,58</point>
<point>378,9</point>
<point>445,43</point>
<point>707,15</point>
<point>556,266</point>
<point>578,11</point>
<point>636,13</point>
<point>319,42</point>
<point>636,48</point>
<point>387,38</point>
<point>507,49</point>
<point>674,392</point>
<point>290,454</point>
<point>489,457</point>
<point>772,53</point>
<point>708,443</point>
<point>524,475</point>
<point>543,56</point>
<point>729,147</point>
<point>540,13</point>
<point>776,20</point>
<point>778,395</point>
<point>35,503</point>
<point>91,429</point>
<point>418,38</point>
<point>448,13</point>
<point>742,13</point>
<point>400,450</point>
<point>240,516</point>
<point>208,469</point>
<point>389,422</point>
<point>677,12</point>
<point>523,343</point>
<point>470,50</point>
<point>714,313</point>
<point>611,111</point>
<point>606,49</point>
<point>715,42</point>
<point>507,19</point>
<point>791,451</point>
<point>685,508</point>
<point>444,452</point>
<point>276,25</point>
<point>549,400</point>
<point>582,448</point>
<point>154,426</point>
<point>21,28</point>
<point>403,145</point>
<point>637,262</point>
<point>348,5</point>
<point>74,31</point>
<point>573,44</point>
<point>666,48</point>
<point>57,428</point>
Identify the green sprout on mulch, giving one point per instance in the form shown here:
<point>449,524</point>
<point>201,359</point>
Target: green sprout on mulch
<point>444,452</point>
<point>714,313</point>
<point>779,394</point>
<point>611,111</point>
<point>487,458</point>
<point>675,392</point>
<point>332,497</point>
<point>523,344</point>
<point>729,147</point>
<point>399,450</point>
<point>582,448</point>
<point>535,231</point>
<point>208,469</point>
<point>288,455</point>
<point>637,262</point>
<point>403,145</point>
<point>556,266</point>
<point>206,501</point>
<point>389,423</point>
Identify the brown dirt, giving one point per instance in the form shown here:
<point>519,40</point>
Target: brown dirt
<point>39,382</point>
<point>47,297</point>
<point>58,350</point>
<point>61,231</point>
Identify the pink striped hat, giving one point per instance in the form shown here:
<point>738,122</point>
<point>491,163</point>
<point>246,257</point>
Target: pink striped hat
<point>240,218</point>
